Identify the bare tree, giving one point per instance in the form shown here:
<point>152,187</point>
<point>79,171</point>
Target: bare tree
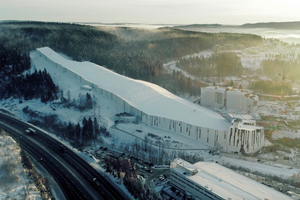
<point>150,151</point>
<point>136,145</point>
<point>145,143</point>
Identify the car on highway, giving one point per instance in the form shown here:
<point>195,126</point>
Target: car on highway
<point>30,131</point>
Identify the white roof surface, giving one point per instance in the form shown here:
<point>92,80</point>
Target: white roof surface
<point>229,184</point>
<point>147,97</point>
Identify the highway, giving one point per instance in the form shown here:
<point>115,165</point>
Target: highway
<point>73,174</point>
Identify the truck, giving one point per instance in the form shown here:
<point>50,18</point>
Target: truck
<point>30,131</point>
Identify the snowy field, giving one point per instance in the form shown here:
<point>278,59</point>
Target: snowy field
<point>14,180</point>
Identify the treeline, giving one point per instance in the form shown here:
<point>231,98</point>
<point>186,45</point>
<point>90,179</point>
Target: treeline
<point>186,84</point>
<point>216,65</point>
<point>81,134</point>
<point>141,59</point>
<point>14,61</point>
<point>85,134</point>
<point>36,85</point>
<point>269,87</point>
<point>82,103</point>
<point>290,63</point>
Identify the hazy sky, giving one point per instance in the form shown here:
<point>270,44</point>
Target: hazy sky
<point>152,11</point>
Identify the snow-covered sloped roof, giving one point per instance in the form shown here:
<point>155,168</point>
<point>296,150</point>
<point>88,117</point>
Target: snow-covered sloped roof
<point>147,97</point>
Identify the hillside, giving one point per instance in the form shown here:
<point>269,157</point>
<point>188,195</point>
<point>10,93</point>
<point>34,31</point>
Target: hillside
<point>274,25</point>
<point>136,53</point>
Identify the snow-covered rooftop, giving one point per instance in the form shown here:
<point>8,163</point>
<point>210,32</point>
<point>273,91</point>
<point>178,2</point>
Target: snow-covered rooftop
<point>229,184</point>
<point>147,97</point>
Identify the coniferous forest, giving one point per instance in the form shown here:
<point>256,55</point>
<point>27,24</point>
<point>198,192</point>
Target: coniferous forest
<point>17,84</point>
<point>139,57</point>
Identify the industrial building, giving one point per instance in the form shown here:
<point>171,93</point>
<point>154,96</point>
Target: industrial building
<point>209,180</point>
<point>234,100</point>
<point>157,107</point>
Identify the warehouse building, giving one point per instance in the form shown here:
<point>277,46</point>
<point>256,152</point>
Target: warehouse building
<point>209,180</point>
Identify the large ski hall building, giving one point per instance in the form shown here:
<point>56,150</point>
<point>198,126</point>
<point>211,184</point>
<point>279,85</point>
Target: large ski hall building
<point>157,107</point>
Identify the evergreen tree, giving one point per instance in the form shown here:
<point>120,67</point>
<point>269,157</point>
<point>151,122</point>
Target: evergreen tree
<point>70,131</point>
<point>77,132</point>
<point>96,127</point>
<point>89,102</point>
<point>84,128</point>
<point>90,128</point>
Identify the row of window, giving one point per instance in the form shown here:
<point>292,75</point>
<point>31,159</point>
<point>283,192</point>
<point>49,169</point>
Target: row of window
<point>194,186</point>
<point>188,128</point>
<point>182,186</point>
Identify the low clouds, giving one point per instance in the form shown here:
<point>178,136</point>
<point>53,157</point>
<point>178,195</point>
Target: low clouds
<point>152,11</point>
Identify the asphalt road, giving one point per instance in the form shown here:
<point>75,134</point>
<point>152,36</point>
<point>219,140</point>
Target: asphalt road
<point>73,174</point>
<point>70,187</point>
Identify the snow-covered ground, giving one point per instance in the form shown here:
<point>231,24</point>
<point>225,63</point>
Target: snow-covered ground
<point>14,181</point>
<point>268,167</point>
<point>285,133</point>
<point>105,112</point>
